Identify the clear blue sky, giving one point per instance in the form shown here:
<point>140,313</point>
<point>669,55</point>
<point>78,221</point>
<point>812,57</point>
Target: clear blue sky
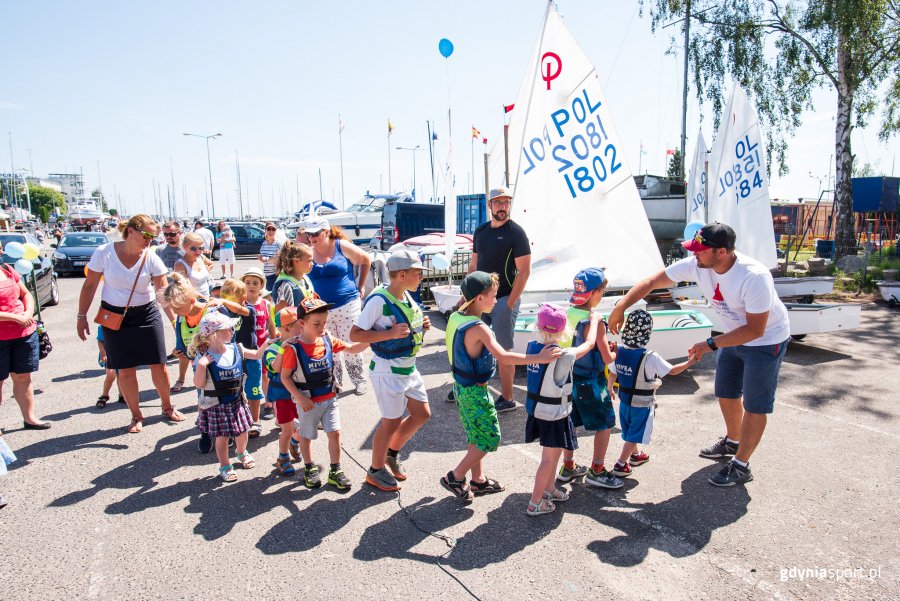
<point>118,82</point>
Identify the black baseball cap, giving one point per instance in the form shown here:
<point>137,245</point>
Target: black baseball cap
<point>711,235</point>
<point>475,283</point>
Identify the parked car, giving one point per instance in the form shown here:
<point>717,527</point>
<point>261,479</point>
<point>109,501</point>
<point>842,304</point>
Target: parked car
<point>75,250</point>
<point>47,287</point>
<point>404,220</point>
<point>248,237</point>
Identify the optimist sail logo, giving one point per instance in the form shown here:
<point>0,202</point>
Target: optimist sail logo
<point>551,67</point>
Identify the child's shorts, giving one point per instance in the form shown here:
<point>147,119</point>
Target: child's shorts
<point>392,390</point>
<point>636,422</point>
<point>253,382</point>
<point>478,417</point>
<point>285,411</point>
<point>592,406</point>
<point>325,412</point>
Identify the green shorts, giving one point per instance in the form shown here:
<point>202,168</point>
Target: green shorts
<point>478,417</point>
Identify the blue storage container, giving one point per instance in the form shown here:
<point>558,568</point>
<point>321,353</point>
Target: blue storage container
<point>471,211</point>
<point>824,249</point>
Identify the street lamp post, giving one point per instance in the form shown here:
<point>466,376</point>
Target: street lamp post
<point>212,198</point>
<point>413,150</point>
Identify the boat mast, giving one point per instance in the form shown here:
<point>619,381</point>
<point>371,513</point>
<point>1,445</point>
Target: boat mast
<point>684,91</point>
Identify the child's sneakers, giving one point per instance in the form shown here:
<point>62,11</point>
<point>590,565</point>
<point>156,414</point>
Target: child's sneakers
<point>382,479</point>
<point>311,476</point>
<point>639,458</point>
<point>338,479</point>
<point>567,475</point>
<point>393,463</point>
<point>603,479</point>
<point>623,470</point>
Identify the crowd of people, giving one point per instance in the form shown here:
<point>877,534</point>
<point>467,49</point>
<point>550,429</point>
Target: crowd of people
<point>276,343</point>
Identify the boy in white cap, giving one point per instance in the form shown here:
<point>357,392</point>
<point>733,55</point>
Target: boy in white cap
<point>394,326</point>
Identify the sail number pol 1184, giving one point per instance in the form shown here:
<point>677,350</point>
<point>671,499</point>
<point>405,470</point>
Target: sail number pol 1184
<point>744,174</point>
<point>579,145</point>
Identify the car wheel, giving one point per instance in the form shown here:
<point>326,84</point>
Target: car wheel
<point>54,293</point>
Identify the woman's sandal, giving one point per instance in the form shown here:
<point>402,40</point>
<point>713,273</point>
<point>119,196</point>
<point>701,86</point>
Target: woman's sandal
<point>226,472</point>
<point>457,487</point>
<point>178,386</point>
<point>557,496</point>
<point>488,487</point>
<point>173,414</point>
<point>136,425</point>
<point>545,506</point>
<point>246,460</point>
<point>102,400</point>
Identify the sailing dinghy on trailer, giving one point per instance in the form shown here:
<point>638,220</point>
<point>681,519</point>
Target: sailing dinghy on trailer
<point>738,194</point>
<point>574,193</point>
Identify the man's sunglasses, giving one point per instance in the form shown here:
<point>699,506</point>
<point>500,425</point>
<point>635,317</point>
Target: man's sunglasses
<point>170,234</point>
<point>698,237</point>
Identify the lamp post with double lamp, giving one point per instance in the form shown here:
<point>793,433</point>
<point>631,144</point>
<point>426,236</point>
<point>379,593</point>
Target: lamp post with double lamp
<point>212,198</point>
<point>413,150</point>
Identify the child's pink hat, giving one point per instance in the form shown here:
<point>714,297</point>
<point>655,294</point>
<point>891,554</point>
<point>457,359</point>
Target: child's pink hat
<point>552,319</point>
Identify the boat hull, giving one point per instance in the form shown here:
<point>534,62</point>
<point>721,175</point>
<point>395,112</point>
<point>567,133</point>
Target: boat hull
<point>804,318</point>
<point>890,291</point>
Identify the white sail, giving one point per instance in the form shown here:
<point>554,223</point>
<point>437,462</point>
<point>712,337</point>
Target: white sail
<point>696,186</point>
<point>739,181</point>
<point>573,191</point>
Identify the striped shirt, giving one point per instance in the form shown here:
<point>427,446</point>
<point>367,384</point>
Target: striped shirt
<point>268,250</point>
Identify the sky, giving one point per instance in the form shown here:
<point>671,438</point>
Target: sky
<point>108,89</point>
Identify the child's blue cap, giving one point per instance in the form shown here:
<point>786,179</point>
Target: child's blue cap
<point>585,282</point>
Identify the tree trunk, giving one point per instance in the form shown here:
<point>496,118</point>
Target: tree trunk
<point>845,222</point>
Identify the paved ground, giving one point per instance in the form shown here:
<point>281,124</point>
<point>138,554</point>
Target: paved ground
<point>96,513</point>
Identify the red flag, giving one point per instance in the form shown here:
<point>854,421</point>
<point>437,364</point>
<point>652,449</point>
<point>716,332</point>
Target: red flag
<point>484,140</point>
<point>508,107</point>
<point>670,151</point>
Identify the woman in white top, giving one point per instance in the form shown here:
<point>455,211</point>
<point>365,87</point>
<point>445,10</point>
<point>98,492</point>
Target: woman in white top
<point>195,267</point>
<point>127,265</point>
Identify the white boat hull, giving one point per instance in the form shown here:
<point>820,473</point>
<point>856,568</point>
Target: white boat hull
<point>805,318</point>
<point>674,332</point>
<point>890,291</point>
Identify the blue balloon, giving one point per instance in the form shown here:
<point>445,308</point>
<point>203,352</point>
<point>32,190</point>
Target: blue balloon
<point>14,250</point>
<point>446,47</point>
<point>24,266</point>
<point>692,228</point>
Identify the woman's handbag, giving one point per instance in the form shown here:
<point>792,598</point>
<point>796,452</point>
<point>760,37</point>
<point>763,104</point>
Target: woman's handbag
<point>111,320</point>
<point>44,344</point>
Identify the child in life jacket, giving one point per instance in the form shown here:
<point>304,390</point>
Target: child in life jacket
<point>548,405</point>
<point>474,353</point>
<point>293,262</point>
<point>307,371</point>
<point>264,326</point>
<point>219,379</point>
<point>393,324</point>
<point>639,373</point>
<point>592,406</point>
<point>278,396</point>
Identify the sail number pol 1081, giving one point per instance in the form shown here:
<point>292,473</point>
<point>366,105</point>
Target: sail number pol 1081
<point>744,174</point>
<point>581,150</point>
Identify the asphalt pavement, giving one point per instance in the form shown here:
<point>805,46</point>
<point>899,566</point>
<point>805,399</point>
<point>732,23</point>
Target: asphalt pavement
<point>96,513</point>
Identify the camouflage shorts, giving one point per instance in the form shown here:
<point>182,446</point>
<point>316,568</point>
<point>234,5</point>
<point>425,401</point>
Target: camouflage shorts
<point>478,417</point>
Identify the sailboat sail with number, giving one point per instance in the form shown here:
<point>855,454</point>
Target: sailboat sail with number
<point>573,191</point>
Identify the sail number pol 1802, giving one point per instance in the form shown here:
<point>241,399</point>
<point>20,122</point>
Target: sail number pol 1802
<point>581,150</point>
<point>744,174</point>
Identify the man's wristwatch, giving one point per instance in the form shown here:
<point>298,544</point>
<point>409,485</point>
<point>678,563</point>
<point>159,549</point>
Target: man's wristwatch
<point>711,343</point>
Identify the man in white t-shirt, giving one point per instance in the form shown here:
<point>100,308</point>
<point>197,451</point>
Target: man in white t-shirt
<point>208,240</point>
<point>749,353</point>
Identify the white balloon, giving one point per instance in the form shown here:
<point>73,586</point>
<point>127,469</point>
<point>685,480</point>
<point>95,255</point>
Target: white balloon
<point>440,261</point>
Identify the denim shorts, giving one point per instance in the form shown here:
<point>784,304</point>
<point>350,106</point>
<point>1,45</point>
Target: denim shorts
<point>503,322</point>
<point>751,372</point>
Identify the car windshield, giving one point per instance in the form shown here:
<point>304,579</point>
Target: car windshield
<point>368,204</point>
<point>7,238</point>
<point>83,240</point>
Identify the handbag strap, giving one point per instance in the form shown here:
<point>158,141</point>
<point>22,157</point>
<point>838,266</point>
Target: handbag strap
<point>136,278</point>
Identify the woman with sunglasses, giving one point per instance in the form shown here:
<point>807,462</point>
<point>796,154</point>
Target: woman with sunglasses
<point>267,251</point>
<point>128,265</point>
<point>195,267</point>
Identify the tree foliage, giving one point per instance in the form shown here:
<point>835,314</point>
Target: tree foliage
<point>46,200</point>
<point>780,51</point>
<point>674,169</point>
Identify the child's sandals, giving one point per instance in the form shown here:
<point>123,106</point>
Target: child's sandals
<point>545,506</point>
<point>558,495</point>
<point>488,487</point>
<point>457,487</point>
<point>285,467</point>
<point>226,472</point>
<point>247,460</point>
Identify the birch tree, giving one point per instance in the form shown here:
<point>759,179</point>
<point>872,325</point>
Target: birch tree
<point>780,51</point>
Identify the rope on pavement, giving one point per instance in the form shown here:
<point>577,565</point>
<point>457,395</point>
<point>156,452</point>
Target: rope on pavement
<point>450,541</point>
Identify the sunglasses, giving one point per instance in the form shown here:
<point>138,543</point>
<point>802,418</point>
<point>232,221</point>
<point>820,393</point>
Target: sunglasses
<point>270,229</point>
<point>146,235</point>
<point>170,234</point>
<point>698,237</point>
<point>314,234</point>
<point>195,249</point>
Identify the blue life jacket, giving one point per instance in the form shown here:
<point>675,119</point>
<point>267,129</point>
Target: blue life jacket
<point>591,365</point>
<point>466,370</point>
<point>276,390</point>
<point>635,389</point>
<point>318,373</point>
<point>227,382</point>
<point>541,387</point>
<point>410,315</point>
